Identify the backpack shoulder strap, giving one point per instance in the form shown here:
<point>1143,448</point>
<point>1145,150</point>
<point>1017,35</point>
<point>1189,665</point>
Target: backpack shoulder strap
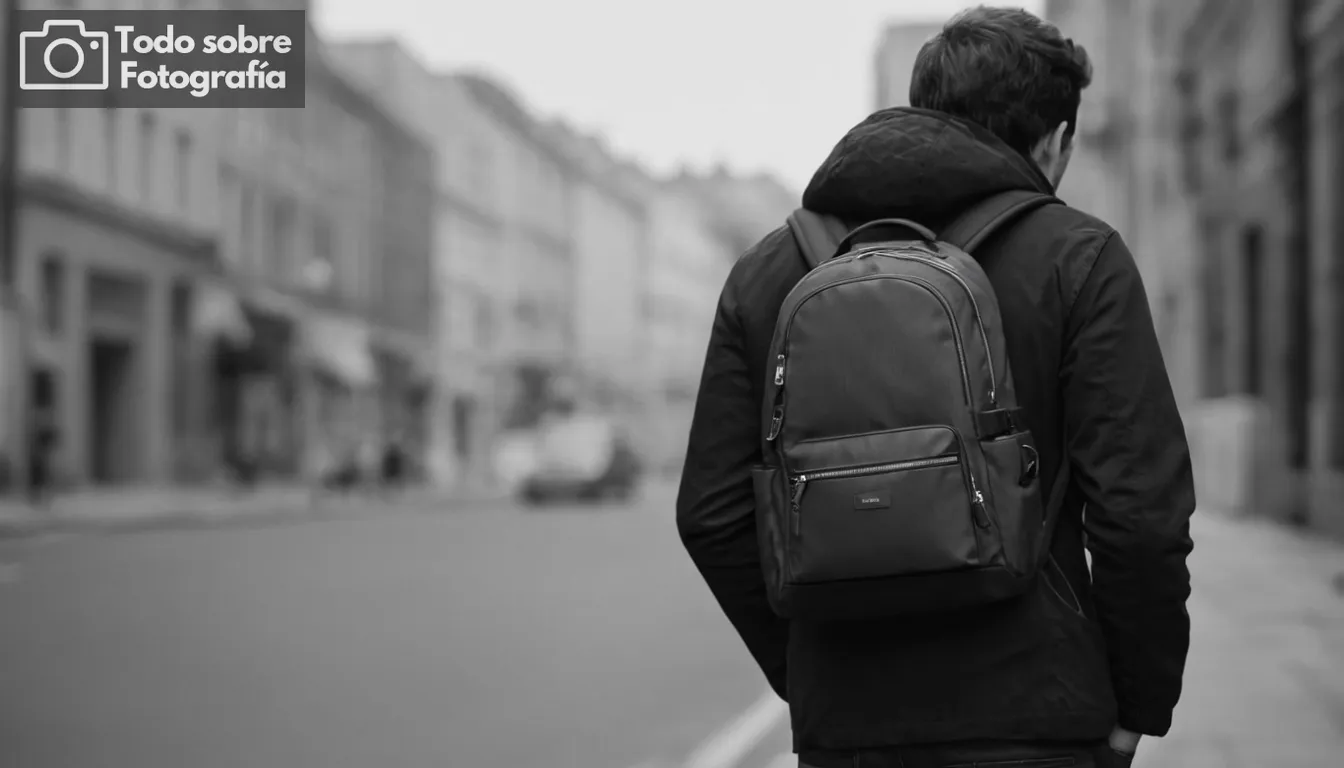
<point>819,236</point>
<point>988,216</point>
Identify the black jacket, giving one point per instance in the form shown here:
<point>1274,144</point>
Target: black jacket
<point>1071,658</point>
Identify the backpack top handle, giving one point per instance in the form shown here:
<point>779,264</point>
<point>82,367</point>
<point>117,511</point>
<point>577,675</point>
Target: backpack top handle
<point>923,232</point>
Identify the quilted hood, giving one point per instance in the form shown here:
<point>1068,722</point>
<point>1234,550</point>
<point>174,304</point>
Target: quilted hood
<point>917,164</point>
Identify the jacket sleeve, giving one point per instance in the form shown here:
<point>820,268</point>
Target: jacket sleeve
<point>1128,448</point>
<point>716,513</point>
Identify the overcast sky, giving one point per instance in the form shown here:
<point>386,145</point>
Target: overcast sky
<point>759,84</point>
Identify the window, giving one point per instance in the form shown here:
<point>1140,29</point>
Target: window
<point>229,212</point>
<point>1214,376</point>
<point>182,391</point>
<point>478,160</point>
<point>527,313</point>
<point>1252,247</point>
<point>323,240</point>
<point>182,145</point>
<point>53,292</point>
<point>1190,128</point>
<point>1161,185</point>
<point>1299,346</point>
<point>145,155</point>
<point>280,239</point>
<point>228,123</point>
<point>247,225</point>
<point>111,146</point>
<point>44,389</point>
<point>462,413</point>
<point>1229,116</point>
<point>485,326</point>
<point>63,138</point>
<point>324,256</point>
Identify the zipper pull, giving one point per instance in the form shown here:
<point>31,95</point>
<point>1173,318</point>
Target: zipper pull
<point>796,503</point>
<point>978,510</point>
<point>779,372</point>
<point>798,486</point>
<point>775,423</point>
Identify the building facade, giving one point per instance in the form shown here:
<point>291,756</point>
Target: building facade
<point>1127,158</point>
<point>611,258</point>
<point>326,223</point>
<point>212,292</point>
<point>469,219</point>
<point>533,195</point>
<point>114,252</point>
<point>1100,177</point>
<point>1241,105</point>
<point>742,209</point>
<point>1319,59</point>
<point>1234,134</point>
<point>689,265</point>
<point>895,61</point>
<point>404,295</point>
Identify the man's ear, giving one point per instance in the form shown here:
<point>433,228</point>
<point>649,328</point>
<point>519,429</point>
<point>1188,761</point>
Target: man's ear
<point>1066,137</point>
<point>1052,145</point>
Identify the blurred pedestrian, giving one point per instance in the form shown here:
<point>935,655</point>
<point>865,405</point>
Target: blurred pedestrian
<point>43,441</point>
<point>393,469</point>
<point>1062,668</point>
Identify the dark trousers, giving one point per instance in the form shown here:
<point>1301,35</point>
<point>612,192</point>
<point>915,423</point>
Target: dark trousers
<point>976,755</point>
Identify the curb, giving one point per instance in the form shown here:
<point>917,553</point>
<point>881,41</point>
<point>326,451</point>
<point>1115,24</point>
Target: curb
<point>198,519</point>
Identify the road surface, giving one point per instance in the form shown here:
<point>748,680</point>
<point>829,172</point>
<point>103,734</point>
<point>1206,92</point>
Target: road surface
<point>495,636</point>
<point>481,637</point>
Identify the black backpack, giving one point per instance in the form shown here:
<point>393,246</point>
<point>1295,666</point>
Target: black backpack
<point>898,475</point>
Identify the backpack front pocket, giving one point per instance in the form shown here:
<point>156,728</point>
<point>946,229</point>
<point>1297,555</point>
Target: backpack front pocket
<point>902,517</point>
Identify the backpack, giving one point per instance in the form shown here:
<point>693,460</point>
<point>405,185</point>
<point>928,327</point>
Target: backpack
<point>898,477</point>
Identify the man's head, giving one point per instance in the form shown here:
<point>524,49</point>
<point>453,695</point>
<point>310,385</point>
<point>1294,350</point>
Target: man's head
<point>1011,73</point>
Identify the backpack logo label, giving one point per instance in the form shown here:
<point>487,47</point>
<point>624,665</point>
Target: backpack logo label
<point>872,500</point>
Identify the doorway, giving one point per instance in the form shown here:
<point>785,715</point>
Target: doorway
<point>464,411</point>
<point>1299,343</point>
<point>111,410</point>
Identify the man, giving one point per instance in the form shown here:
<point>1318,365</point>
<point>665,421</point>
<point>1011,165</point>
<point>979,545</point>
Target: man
<point>1074,671</point>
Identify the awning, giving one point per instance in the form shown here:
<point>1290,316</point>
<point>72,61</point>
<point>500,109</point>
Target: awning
<point>341,348</point>
<point>217,313</point>
<point>405,371</point>
<point>424,370</point>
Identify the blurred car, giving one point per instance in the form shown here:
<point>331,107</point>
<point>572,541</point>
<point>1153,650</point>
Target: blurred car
<point>581,457</point>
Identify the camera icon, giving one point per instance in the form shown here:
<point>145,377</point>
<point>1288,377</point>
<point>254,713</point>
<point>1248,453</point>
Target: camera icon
<point>41,70</point>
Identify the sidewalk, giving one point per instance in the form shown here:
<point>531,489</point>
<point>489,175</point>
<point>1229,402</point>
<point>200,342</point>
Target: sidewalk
<point>1264,684</point>
<point>123,509</point>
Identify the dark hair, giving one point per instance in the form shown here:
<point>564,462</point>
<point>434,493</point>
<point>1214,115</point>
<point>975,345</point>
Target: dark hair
<point>1006,70</point>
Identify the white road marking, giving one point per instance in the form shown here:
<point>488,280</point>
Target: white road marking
<point>730,745</point>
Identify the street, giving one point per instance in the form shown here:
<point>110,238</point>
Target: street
<point>485,637</point>
<point>498,636</point>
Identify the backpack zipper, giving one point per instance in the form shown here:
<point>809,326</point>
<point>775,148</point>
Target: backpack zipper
<point>800,482</point>
<point>776,421</point>
<point>975,307</point>
<point>921,282</point>
<point>877,469</point>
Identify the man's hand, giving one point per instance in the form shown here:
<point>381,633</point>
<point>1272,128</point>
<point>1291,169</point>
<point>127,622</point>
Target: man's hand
<point>1125,742</point>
